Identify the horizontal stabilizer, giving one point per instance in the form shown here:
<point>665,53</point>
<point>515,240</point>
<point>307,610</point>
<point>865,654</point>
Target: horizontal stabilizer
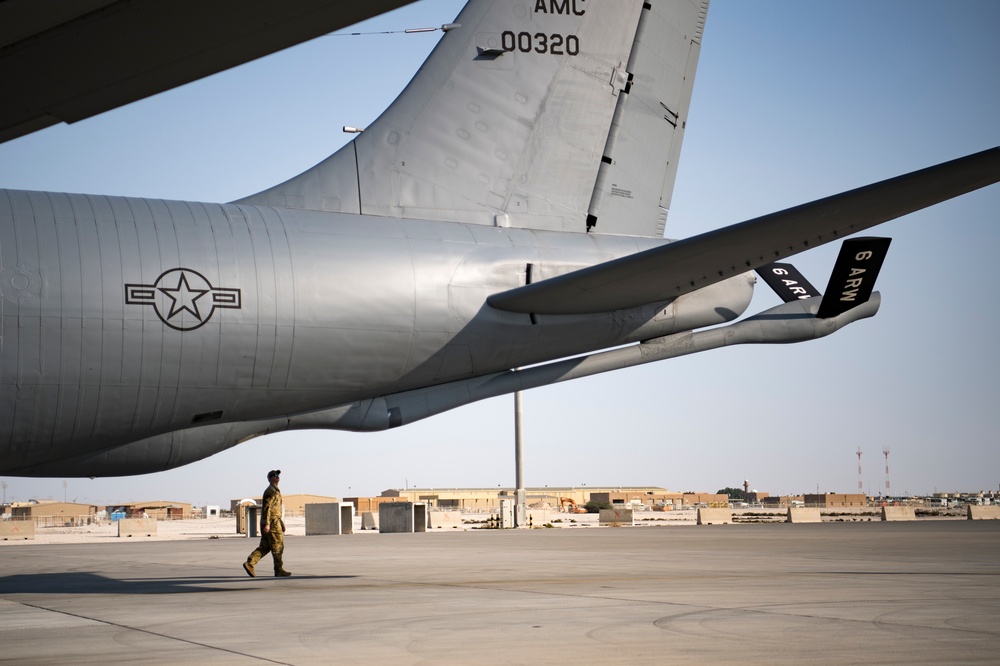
<point>671,270</point>
<point>854,274</point>
<point>787,282</point>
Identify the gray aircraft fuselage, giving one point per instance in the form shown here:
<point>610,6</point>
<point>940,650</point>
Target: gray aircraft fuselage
<point>127,318</point>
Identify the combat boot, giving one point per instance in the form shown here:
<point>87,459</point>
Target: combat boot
<point>281,573</point>
<point>249,569</point>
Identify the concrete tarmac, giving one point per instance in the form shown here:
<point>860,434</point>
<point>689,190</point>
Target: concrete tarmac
<point>892,593</point>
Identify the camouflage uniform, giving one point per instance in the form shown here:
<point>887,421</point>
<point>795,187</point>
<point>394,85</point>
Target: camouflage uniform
<point>271,541</point>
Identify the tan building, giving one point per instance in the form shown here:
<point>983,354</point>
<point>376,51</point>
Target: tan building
<point>370,504</point>
<point>158,509</point>
<point>833,500</point>
<point>658,498</point>
<point>488,499</point>
<point>717,500</point>
<point>651,498</point>
<point>295,505</point>
<point>50,513</point>
<point>783,501</point>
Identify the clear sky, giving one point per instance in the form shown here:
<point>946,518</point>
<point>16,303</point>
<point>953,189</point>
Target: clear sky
<point>793,101</point>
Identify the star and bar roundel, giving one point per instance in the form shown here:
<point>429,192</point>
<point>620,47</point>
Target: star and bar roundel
<point>183,298</point>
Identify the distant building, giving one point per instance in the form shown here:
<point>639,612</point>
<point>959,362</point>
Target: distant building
<point>488,499</point>
<point>371,504</point>
<point>157,509</point>
<point>782,501</point>
<point>54,513</point>
<point>295,505</point>
<point>835,500</point>
<point>708,499</point>
<point>656,498</point>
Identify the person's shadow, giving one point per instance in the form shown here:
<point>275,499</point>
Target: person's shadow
<point>82,582</point>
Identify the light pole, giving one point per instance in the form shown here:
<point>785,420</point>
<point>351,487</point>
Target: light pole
<point>521,495</point>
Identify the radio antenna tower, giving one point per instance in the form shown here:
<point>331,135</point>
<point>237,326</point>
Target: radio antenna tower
<point>885,451</point>
<point>861,490</point>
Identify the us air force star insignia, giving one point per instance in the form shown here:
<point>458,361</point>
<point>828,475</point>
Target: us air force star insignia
<point>182,298</point>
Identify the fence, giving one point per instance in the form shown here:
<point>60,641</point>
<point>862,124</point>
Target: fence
<point>59,521</point>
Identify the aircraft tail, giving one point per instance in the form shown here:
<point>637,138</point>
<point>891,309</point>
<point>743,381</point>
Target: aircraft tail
<point>547,114</point>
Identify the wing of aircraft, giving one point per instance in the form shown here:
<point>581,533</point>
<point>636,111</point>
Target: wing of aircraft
<point>66,60</point>
<point>693,263</point>
<point>504,212</point>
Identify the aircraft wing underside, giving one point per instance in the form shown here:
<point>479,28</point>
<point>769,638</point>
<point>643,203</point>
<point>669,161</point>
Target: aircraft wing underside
<point>66,60</point>
<point>684,266</point>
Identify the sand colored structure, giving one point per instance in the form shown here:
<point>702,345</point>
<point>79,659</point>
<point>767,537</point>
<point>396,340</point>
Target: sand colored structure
<point>440,520</point>
<point>617,517</point>
<point>801,514</point>
<point>17,529</point>
<point>991,512</point>
<point>136,527</point>
<point>894,513</point>
<point>709,516</point>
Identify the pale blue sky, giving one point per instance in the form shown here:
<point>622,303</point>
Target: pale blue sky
<point>793,101</point>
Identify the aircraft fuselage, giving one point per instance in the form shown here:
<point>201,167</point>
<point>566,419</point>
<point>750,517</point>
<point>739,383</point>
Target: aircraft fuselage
<point>128,318</point>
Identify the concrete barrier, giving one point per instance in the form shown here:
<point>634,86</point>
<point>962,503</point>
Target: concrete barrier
<point>715,516</point>
<point>444,520</point>
<point>402,517</point>
<point>991,512</point>
<point>801,514</point>
<point>538,517</point>
<point>329,518</point>
<point>892,513</point>
<point>369,521</point>
<point>129,527</point>
<point>616,518</point>
<point>12,530</point>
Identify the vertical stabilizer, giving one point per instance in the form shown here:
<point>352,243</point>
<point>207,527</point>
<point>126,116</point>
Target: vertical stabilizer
<point>505,123</point>
<point>639,163</point>
<point>546,114</point>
